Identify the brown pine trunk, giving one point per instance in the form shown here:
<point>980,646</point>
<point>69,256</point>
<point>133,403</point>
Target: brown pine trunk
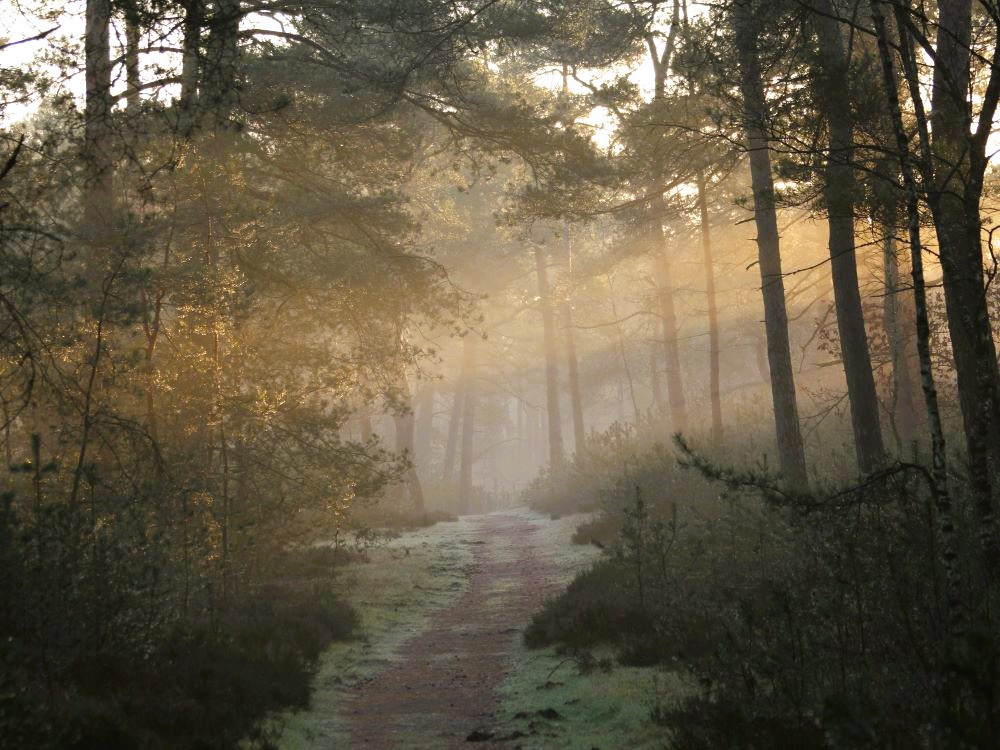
<point>132,78</point>
<point>468,427</point>
<point>188,101</point>
<point>959,162</point>
<point>899,317</point>
<point>405,423</point>
<point>713,313</point>
<point>948,541</point>
<point>97,146</point>
<point>786,414</point>
<point>424,440</point>
<point>455,422</point>
<point>556,451</point>
<point>839,194</point>
<point>573,375</point>
<point>668,316</point>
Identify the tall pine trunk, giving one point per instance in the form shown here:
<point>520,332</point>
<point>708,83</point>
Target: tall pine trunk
<point>573,378</point>
<point>668,315</point>
<point>468,426</point>
<point>959,162</point>
<point>791,450</point>
<point>944,515</point>
<point>713,312</point>
<point>839,192</point>
<point>899,317</point>
<point>405,423</point>
<point>556,451</point>
<point>98,133</point>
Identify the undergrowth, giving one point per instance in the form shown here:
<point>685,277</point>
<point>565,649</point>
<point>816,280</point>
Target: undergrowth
<point>806,621</point>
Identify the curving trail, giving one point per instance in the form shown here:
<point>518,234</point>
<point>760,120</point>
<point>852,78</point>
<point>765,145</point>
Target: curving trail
<point>443,685</point>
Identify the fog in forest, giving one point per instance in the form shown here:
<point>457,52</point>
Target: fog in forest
<point>566,373</point>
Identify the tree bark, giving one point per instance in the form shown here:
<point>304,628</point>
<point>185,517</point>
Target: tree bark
<point>899,316</point>
<point>97,148</point>
<point>220,93</point>
<point>948,541</point>
<point>573,377</point>
<point>839,192</point>
<point>455,422</point>
<point>786,414</point>
<point>713,312</point>
<point>405,423</point>
<point>190,67</point>
<point>959,163</point>
<point>424,440</point>
<point>132,39</point>
<point>668,315</point>
<point>468,426</point>
<point>557,454</point>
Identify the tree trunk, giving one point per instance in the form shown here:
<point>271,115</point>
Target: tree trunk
<point>958,165</point>
<point>132,39</point>
<point>948,541</point>
<point>405,423</point>
<point>573,375</point>
<point>365,423</point>
<point>556,451</point>
<point>668,314</point>
<point>786,414</point>
<point>455,422</point>
<point>188,101</point>
<point>713,312</point>
<point>221,92</point>
<point>424,441</point>
<point>839,192</point>
<point>468,426</point>
<point>654,375</point>
<point>97,148</point>
<point>899,316</point>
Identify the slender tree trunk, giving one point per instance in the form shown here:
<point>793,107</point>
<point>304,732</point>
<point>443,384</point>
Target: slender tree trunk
<point>654,375</point>
<point>713,312</point>
<point>425,426</point>
<point>899,316</point>
<point>221,90</point>
<point>959,162</point>
<point>786,414</point>
<point>620,336</point>
<point>573,375</point>
<point>668,314</point>
<point>190,67</point>
<point>947,537</point>
<point>97,148</point>
<point>455,422</point>
<point>132,39</point>
<point>468,427</point>
<point>405,423</point>
<point>839,192</point>
<point>557,454</point>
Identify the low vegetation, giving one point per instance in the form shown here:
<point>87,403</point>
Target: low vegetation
<point>809,621</point>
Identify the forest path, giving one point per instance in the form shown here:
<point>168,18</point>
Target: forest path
<point>443,683</point>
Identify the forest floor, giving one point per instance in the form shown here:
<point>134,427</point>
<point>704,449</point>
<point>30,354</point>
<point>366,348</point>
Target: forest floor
<point>441,663</point>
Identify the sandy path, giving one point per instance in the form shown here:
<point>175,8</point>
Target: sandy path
<point>443,685</point>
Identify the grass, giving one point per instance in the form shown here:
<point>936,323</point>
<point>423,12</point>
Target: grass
<point>600,706</point>
<point>596,708</point>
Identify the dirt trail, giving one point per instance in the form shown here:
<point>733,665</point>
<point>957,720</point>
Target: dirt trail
<point>443,685</point>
